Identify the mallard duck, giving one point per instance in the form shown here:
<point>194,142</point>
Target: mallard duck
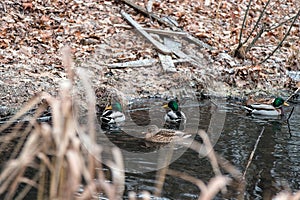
<point>174,115</point>
<point>112,114</point>
<point>163,136</point>
<point>273,109</point>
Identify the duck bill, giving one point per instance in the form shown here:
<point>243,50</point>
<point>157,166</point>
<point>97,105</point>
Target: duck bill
<point>108,107</point>
<point>165,106</point>
<point>285,104</point>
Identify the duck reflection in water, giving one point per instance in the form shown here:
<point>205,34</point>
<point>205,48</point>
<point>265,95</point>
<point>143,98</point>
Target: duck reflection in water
<point>140,114</point>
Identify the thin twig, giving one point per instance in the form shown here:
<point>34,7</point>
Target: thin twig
<point>288,121</point>
<point>296,91</point>
<point>280,43</point>
<point>253,151</point>
<point>290,114</point>
<point>280,24</point>
<point>261,31</point>
<point>255,26</point>
<point>243,25</point>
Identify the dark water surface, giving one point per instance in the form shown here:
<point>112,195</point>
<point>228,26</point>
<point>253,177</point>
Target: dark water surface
<point>275,165</point>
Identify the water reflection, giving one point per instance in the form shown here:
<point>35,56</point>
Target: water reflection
<point>275,165</point>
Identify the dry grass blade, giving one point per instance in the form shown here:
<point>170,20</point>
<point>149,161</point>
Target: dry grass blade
<point>14,170</point>
<point>215,185</point>
<point>163,165</point>
<point>30,184</point>
<point>210,152</point>
<point>67,62</point>
<point>215,159</point>
<point>211,155</point>
<point>75,164</point>
<point>24,133</point>
<point>118,173</point>
<point>201,185</point>
<point>207,191</point>
<point>131,195</point>
<point>32,102</point>
<point>56,150</point>
<point>91,100</point>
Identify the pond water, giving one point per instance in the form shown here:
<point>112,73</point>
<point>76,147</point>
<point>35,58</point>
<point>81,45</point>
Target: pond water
<point>275,165</point>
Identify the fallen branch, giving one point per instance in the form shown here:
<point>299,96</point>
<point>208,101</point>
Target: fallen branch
<point>133,64</point>
<point>185,35</point>
<point>167,63</point>
<point>140,63</point>
<point>252,153</point>
<point>199,42</point>
<point>138,27</point>
<point>166,32</point>
<point>167,23</point>
<point>151,15</point>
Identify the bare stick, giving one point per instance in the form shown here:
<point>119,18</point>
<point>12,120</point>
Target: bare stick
<point>162,48</point>
<point>290,114</point>
<point>145,12</point>
<point>164,161</point>
<point>253,151</point>
<point>280,24</point>
<point>261,31</point>
<point>243,25</point>
<point>288,121</point>
<point>167,23</point>
<point>293,94</point>
<point>211,154</point>
<point>256,24</point>
<point>280,43</point>
<point>133,64</point>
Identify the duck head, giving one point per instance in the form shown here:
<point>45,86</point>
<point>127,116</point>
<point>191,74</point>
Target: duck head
<point>116,106</point>
<point>278,102</point>
<point>173,105</point>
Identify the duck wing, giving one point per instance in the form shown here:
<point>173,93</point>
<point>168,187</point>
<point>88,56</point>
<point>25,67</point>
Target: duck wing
<point>105,117</point>
<point>260,107</point>
<point>175,117</point>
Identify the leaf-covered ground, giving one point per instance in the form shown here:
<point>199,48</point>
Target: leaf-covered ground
<point>32,34</point>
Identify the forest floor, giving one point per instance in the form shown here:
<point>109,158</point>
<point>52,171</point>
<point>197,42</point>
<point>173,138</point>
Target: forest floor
<point>32,34</point>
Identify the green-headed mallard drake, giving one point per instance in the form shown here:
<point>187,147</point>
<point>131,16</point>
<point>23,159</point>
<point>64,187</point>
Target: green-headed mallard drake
<point>174,115</point>
<point>273,109</point>
<point>113,114</point>
<point>163,136</point>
